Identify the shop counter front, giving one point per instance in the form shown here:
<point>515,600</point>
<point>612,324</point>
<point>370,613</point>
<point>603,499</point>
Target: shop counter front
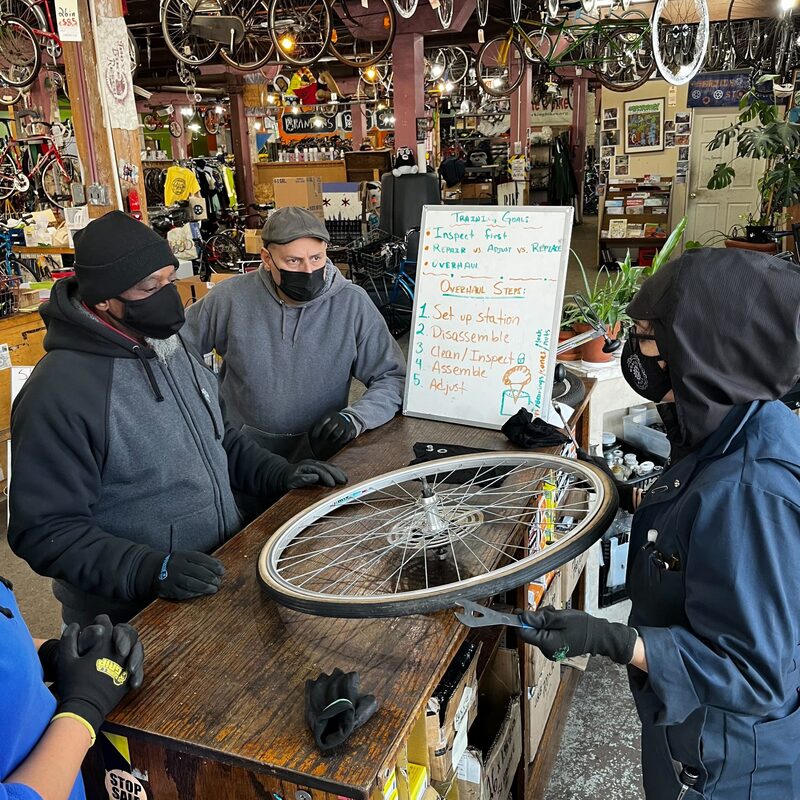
<point>221,712</point>
<point>265,172</point>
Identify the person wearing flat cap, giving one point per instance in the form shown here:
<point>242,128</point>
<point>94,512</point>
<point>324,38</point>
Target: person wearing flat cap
<point>123,469</point>
<point>292,336</point>
<point>712,645</point>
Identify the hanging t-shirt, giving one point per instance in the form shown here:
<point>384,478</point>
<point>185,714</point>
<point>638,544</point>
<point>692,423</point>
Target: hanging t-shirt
<point>230,186</point>
<point>180,184</point>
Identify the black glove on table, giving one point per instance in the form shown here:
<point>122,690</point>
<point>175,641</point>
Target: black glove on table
<point>330,433</point>
<point>334,708</point>
<point>91,684</point>
<point>125,637</point>
<point>309,472</point>
<point>566,633</point>
<point>184,574</point>
<point>525,431</point>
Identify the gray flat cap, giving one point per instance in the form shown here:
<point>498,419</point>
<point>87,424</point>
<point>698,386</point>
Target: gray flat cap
<point>287,224</point>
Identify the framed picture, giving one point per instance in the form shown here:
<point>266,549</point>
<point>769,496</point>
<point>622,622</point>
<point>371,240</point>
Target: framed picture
<point>644,126</point>
<point>609,138</point>
<point>608,152</point>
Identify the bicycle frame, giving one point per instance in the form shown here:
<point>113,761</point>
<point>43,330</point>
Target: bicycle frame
<point>50,32</point>
<point>48,153</point>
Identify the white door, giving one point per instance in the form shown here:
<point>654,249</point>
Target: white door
<point>711,210</point>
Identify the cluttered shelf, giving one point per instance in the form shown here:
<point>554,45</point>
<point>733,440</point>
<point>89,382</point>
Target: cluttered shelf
<point>185,729</point>
<point>43,251</point>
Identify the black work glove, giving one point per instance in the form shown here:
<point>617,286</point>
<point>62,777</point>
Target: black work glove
<point>91,684</point>
<point>624,489</point>
<point>566,633</point>
<point>330,433</point>
<point>334,708</point>
<point>525,431</point>
<point>125,637</point>
<point>309,472</point>
<point>184,574</point>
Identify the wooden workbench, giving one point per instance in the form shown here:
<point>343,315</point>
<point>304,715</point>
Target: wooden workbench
<point>221,714</point>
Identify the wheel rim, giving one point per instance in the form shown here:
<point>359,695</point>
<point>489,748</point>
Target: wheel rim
<point>445,13</point>
<point>256,47</point>
<point>553,7</point>
<point>588,6</point>
<point>176,16</point>
<point>19,54</point>
<point>301,30</point>
<point>680,30</point>
<point>57,182</point>
<point>626,60</point>
<point>482,10</point>
<point>436,532</point>
<point>405,8</point>
<point>501,67</point>
<point>359,51</point>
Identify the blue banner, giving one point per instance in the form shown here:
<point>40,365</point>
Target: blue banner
<point>718,89</point>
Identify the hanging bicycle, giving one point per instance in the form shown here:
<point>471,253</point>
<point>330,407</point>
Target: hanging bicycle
<point>680,31</point>
<point>422,538</point>
<point>154,121</point>
<point>20,57</point>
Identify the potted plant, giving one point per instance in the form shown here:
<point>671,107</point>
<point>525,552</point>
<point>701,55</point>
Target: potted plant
<point>609,299</point>
<point>774,139</point>
<point>570,317</point>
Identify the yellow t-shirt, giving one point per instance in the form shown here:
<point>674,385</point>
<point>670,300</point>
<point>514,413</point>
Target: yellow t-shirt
<point>181,183</point>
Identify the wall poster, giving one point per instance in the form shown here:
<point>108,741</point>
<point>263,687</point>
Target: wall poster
<point>644,126</point>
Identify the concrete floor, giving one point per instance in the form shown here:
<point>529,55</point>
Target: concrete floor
<point>599,754</point>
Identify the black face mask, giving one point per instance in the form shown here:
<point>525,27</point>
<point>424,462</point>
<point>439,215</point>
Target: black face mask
<point>302,286</point>
<point>643,373</point>
<point>158,316</point>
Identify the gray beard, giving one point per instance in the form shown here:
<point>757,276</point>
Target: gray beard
<point>164,348</point>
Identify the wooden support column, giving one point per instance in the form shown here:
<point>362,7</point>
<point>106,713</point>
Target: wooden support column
<point>100,153</point>
<point>240,141</point>
<point>409,87</point>
<point>580,94</point>
<point>521,113</point>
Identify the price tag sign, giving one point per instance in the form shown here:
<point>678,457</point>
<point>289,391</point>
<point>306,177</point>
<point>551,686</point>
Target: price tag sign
<point>68,21</point>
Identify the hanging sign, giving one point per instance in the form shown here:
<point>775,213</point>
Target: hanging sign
<point>114,72</point>
<point>490,285</point>
<point>68,21</point>
<point>718,89</point>
<point>308,124</point>
<point>557,113</point>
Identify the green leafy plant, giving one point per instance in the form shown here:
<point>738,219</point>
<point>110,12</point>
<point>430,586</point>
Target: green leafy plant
<point>774,139</point>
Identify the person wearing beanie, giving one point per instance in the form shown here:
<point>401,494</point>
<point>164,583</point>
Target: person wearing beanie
<point>712,644</point>
<point>292,336</point>
<point>124,470</point>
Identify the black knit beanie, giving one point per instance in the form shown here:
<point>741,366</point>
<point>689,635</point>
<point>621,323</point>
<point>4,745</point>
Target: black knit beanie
<point>114,252</point>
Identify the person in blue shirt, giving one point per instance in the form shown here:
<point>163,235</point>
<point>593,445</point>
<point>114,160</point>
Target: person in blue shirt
<point>43,739</point>
<point>713,641</point>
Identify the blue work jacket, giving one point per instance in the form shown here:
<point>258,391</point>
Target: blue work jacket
<point>714,579</point>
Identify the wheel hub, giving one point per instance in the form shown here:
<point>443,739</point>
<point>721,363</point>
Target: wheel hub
<point>434,525</point>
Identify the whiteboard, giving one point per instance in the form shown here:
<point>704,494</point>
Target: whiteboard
<point>487,306</point>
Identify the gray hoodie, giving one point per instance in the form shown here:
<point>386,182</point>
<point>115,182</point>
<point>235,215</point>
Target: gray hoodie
<point>284,366</point>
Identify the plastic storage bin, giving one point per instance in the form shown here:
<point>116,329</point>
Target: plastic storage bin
<point>639,434</point>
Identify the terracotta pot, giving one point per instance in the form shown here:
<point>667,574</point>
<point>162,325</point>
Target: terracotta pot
<point>570,355</point>
<point>592,352</point>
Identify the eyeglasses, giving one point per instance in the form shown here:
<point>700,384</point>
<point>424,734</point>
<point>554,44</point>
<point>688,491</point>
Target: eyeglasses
<point>642,337</point>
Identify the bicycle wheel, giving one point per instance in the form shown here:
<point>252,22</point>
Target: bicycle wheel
<point>365,38</point>
<point>222,254</point>
<point>301,29</point>
<point>176,20</point>
<point>257,47</point>
<point>482,12</point>
<point>422,538</point>
<point>445,11</point>
<point>625,59</point>
<point>397,307</point>
<point>8,177</point>
<point>457,64</point>
<point>515,9</point>
<point>9,96</point>
<point>151,122</point>
<point>405,8</point>
<point>175,129</point>
<point>58,180</point>
<point>588,6</point>
<point>553,7</point>
<point>133,52</point>
<point>680,38</point>
<point>20,57</point>
<point>500,66</point>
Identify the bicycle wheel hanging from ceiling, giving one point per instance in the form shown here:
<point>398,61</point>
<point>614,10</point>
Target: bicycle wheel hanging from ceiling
<point>256,47</point>
<point>20,56</point>
<point>515,8</point>
<point>177,17</point>
<point>625,58</point>
<point>445,11</point>
<point>362,37</point>
<point>424,537</point>
<point>680,38</point>
<point>500,66</point>
<point>405,8</point>
<point>482,12</point>
<point>301,29</point>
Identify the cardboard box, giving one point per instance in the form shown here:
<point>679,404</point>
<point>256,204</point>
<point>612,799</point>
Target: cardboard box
<point>417,781</point>
<point>192,289</point>
<point>300,191</point>
<point>540,702</point>
<point>483,190</point>
<point>469,773</point>
<point>446,725</point>
<point>570,573</point>
<point>537,663</point>
<point>253,241</point>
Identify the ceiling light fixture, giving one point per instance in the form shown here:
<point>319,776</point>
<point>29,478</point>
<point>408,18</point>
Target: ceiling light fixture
<point>219,110</point>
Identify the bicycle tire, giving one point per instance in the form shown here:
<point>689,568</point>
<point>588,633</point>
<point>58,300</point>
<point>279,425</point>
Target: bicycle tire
<point>222,254</point>
<point>405,8</point>
<point>482,12</point>
<point>56,184</point>
<point>8,171</point>
<point>643,64</point>
<point>299,18</point>
<point>250,53</point>
<point>602,503</point>
<point>174,17</point>
<point>398,309</point>
<point>588,6</point>
<point>9,96</point>
<point>457,63</point>
<point>133,52</point>
<point>445,12</point>
<point>362,60</point>
<point>553,7</point>
<point>151,122</point>
<point>672,70</point>
<point>20,56</point>
<point>490,83</point>
<point>211,122</point>
<point>175,129</point>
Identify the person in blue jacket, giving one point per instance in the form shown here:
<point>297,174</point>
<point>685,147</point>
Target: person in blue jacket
<point>43,739</point>
<point>713,637</point>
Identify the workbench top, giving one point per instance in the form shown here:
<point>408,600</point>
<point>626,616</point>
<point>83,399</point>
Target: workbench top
<point>225,675</point>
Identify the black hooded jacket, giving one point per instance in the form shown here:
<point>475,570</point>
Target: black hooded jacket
<point>119,456</point>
